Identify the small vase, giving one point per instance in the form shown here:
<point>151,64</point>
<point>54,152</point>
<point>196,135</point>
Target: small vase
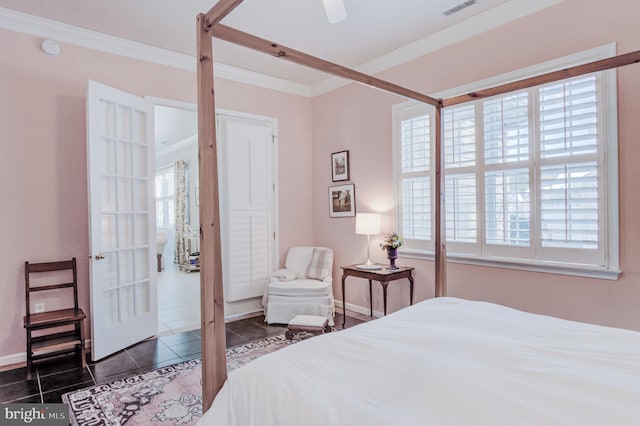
<point>392,255</point>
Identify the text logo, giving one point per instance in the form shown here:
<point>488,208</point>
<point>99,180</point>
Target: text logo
<point>34,414</point>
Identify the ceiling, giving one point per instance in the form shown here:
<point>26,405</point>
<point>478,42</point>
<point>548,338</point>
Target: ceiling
<point>373,27</point>
<point>173,125</point>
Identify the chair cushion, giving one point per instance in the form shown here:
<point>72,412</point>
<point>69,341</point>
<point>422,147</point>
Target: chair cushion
<point>320,264</point>
<point>285,275</point>
<point>298,259</point>
<point>299,287</point>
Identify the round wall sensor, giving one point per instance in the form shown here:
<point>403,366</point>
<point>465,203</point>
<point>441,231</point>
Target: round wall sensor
<point>50,47</point>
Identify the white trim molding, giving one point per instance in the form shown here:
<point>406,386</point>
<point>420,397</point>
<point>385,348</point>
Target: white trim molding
<point>41,27</point>
<point>357,308</point>
<point>46,28</point>
<point>12,20</point>
<point>21,357</point>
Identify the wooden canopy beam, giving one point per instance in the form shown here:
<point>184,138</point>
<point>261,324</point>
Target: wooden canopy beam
<point>221,9</point>
<point>270,48</point>
<point>578,70</point>
<point>214,355</point>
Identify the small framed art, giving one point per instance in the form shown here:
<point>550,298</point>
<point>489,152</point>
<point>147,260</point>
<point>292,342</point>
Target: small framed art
<point>342,200</point>
<point>340,166</point>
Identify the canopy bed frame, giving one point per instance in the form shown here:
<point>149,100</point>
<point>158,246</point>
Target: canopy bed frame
<point>214,368</point>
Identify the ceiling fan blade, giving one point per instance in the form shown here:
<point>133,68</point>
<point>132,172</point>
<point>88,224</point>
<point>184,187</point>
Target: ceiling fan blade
<point>335,10</point>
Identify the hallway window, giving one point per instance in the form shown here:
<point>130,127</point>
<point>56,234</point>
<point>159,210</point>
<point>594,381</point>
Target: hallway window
<point>165,198</point>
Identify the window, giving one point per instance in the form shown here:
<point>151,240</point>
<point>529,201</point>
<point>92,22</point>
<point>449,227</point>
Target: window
<point>165,198</point>
<point>415,176</point>
<point>528,177</point>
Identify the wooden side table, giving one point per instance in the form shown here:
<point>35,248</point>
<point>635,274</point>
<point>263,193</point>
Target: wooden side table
<point>384,276</point>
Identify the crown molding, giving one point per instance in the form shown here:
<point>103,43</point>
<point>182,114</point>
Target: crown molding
<point>468,28</point>
<point>41,27</point>
<point>46,28</point>
<point>12,20</point>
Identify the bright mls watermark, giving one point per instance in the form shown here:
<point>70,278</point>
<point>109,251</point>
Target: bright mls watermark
<point>34,414</point>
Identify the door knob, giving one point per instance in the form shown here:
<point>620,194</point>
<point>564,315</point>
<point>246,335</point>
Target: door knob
<point>98,256</point>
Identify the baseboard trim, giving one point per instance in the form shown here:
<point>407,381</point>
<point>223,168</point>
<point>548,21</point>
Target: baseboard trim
<point>356,308</point>
<point>13,359</point>
<point>242,316</point>
<point>21,357</point>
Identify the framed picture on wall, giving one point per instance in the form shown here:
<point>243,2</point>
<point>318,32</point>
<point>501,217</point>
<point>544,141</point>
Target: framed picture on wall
<point>342,200</point>
<point>340,166</point>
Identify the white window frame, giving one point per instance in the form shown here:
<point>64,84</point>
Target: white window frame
<point>497,256</point>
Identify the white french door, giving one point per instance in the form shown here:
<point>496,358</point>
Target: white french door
<point>121,219</point>
<point>246,147</point>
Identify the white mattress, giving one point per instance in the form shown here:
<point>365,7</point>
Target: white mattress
<point>443,362</point>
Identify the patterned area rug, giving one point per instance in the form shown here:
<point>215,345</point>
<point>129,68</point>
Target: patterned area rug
<point>166,396</point>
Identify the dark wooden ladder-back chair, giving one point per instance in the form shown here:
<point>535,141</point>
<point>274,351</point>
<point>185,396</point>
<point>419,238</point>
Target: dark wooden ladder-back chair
<point>47,344</point>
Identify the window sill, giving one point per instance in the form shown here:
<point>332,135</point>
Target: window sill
<point>518,264</point>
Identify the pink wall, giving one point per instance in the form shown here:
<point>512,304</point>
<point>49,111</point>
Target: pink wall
<point>359,119</point>
<point>43,156</point>
<point>43,170</point>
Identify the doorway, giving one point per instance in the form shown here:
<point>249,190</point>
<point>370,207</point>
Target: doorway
<point>247,146</point>
<point>176,163</point>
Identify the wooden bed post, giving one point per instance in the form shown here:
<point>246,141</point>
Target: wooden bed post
<point>440,219</point>
<point>214,356</point>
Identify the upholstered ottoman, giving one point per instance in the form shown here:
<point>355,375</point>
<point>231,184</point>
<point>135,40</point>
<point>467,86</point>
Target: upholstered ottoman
<point>307,323</point>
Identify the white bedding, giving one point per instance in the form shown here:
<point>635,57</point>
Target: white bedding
<point>443,362</point>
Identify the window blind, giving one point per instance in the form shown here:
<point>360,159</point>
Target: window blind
<point>507,207</point>
<point>506,128</point>
<point>459,136</point>
<point>415,177</point>
<point>416,140</point>
<point>416,208</point>
<point>460,207</point>
<point>569,206</point>
<point>569,118</point>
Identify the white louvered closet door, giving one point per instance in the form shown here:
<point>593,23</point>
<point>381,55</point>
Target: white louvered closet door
<point>247,192</point>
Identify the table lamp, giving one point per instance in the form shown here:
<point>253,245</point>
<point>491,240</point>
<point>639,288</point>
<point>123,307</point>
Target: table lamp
<point>368,224</point>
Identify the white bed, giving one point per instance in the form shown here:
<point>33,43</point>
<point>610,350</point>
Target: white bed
<point>443,362</point>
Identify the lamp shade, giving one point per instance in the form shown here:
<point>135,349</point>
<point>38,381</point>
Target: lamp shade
<point>368,223</point>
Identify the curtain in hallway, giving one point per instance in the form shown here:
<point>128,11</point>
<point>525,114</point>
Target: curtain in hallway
<point>182,218</point>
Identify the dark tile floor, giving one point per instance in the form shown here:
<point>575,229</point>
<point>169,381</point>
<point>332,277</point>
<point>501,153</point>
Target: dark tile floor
<point>53,379</point>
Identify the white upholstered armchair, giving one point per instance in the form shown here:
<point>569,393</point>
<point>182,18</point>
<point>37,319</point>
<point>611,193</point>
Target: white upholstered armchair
<point>303,287</point>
